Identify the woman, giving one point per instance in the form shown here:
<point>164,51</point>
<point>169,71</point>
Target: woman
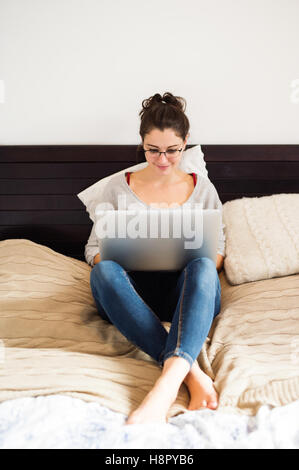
<point>137,302</point>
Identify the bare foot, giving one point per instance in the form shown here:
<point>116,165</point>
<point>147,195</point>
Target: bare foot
<point>155,405</point>
<point>201,389</point>
<point>157,402</point>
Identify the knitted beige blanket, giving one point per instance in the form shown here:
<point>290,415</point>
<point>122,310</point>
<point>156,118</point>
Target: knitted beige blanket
<point>53,341</point>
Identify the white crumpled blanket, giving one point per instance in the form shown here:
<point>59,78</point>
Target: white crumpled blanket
<point>60,422</point>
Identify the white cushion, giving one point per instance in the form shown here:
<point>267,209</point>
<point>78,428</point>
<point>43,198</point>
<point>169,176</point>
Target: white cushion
<point>262,237</point>
<point>192,161</point>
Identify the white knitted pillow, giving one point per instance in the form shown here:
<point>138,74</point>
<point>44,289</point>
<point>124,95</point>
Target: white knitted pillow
<point>262,237</point>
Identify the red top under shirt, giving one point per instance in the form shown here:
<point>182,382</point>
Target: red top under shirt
<point>128,173</point>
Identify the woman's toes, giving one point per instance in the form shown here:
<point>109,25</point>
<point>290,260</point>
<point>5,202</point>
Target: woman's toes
<point>213,405</point>
<point>203,404</point>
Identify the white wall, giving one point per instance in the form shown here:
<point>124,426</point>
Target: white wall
<point>76,71</point>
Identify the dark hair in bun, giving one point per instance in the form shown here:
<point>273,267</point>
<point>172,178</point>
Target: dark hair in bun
<point>163,112</point>
<point>166,98</point>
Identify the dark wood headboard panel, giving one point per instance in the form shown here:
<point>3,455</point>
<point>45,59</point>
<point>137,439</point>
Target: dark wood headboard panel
<point>38,184</point>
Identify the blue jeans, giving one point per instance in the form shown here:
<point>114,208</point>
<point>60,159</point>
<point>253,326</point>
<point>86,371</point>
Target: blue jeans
<point>137,301</point>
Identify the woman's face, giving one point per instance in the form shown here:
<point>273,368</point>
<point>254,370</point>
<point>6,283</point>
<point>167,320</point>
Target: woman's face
<point>163,141</point>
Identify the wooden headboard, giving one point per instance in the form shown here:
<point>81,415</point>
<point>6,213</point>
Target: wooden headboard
<point>38,184</point>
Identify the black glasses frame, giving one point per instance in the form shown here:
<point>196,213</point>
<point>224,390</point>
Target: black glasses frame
<point>147,150</point>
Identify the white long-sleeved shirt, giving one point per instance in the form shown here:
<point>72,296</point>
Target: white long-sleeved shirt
<point>204,192</point>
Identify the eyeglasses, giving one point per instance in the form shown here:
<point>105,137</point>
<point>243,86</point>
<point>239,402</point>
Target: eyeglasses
<point>171,153</point>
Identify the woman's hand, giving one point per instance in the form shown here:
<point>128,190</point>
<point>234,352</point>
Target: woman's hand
<point>96,259</point>
<point>219,263</point>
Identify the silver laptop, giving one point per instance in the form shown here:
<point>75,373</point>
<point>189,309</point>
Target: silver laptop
<point>157,239</point>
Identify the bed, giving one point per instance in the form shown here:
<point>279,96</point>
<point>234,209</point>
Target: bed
<point>63,369</point>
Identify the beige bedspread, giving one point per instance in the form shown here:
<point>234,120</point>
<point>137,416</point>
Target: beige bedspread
<point>53,340</point>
